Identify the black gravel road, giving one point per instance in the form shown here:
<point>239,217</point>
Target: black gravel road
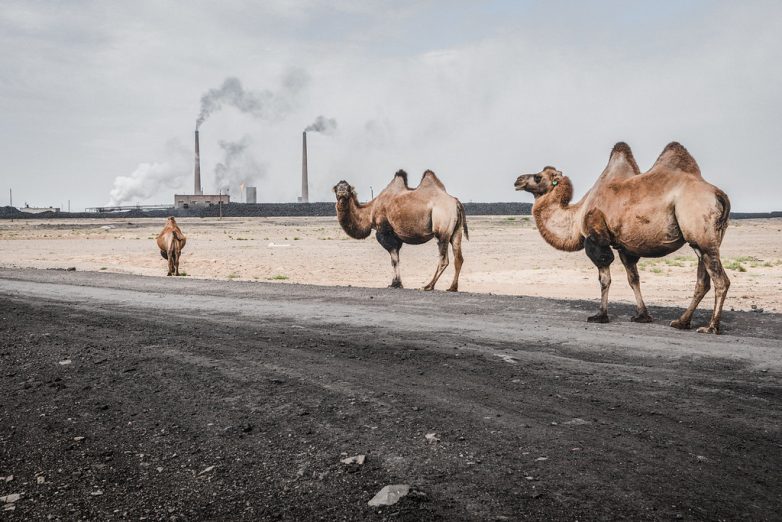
<point>170,398</point>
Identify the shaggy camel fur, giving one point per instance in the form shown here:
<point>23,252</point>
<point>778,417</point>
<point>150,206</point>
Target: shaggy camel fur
<point>640,215</point>
<point>400,215</point>
<point>171,241</point>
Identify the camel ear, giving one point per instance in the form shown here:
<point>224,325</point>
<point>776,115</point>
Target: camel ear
<point>353,190</point>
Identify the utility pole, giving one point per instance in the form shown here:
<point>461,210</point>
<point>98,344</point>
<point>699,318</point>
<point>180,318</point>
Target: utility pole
<point>11,197</point>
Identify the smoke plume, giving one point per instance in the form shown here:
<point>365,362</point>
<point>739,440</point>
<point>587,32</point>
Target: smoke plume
<point>152,179</point>
<point>323,125</point>
<point>238,167</point>
<point>266,104</point>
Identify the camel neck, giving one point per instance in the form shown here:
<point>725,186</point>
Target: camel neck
<point>355,218</point>
<point>557,220</point>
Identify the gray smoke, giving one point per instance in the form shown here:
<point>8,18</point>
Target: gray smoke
<point>323,125</point>
<point>238,167</point>
<point>264,104</point>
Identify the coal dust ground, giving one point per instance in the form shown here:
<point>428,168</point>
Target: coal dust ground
<point>126,397</point>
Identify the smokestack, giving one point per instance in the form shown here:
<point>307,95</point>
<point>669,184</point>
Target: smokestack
<point>305,196</point>
<point>197,170</point>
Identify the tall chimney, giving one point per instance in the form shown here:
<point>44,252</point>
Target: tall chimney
<point>305,190</point>
<point>197,170</point>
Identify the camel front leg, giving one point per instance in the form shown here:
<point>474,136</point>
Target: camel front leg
<point>604,274</point>
<point>170,261</point>
<point>176,262</point>
<point>713,265</point>
<point>396,282</point>
<point>392,244</point>
<point>456,246</point>
<point>602,257</point>
<point>442,264</point>
<point>631,266</point>
<point>702,286</point>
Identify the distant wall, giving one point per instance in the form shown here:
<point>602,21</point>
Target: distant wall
<point>295,209</point>
<point>256,210</point>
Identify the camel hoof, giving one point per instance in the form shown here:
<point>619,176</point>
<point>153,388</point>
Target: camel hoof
<point>395,284</point>
<point>453,289</point>
<point>168,274</point>
<point>427,288</point>
<point>677,323</point>
<point>599,318</point>
<point>642,318</point>
<point>709,330</point>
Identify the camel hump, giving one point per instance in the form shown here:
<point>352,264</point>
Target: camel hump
<point>675,156</point>
<point>623,150</point>
<point>429,178</point>
<point>401,174</point>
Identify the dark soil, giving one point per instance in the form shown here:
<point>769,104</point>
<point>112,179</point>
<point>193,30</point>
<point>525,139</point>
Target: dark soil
<point>210,400</point>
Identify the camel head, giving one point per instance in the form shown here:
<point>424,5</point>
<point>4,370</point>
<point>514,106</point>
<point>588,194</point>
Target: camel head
<point>541,183</point>
<point>343,189</point>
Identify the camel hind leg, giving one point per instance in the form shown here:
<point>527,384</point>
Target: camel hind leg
<point>458,259</point>
<point>171,259</point>
<point>631,266</point>
<point>713,265</point>
<point>442,264</point>
<point>701,288</point>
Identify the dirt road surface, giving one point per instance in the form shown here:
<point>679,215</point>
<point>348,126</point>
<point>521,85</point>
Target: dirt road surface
<point>127,397</point>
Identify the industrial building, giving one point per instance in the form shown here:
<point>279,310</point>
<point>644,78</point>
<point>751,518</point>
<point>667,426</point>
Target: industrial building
<point>38,210</point>
<point>200,200</point>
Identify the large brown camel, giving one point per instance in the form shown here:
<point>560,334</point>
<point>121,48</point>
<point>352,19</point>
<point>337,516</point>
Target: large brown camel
<point>171,241</point>
<point>400,215</point>
<point>639,215</point>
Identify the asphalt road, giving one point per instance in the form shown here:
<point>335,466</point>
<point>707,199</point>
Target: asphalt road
<point>227,400</point>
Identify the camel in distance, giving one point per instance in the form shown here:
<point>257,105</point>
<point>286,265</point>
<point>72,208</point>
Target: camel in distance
<point>648,214</point>
<point>402,215</point>
<point>171,241</point>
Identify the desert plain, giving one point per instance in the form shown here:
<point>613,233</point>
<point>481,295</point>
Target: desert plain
<point>505,255</point>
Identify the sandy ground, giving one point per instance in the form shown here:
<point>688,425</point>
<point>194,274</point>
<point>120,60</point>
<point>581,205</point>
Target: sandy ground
<point>505,255</point>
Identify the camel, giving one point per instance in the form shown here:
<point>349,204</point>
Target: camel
<point>639,215</point>
<point>171,241</point>
<point>401,215</point>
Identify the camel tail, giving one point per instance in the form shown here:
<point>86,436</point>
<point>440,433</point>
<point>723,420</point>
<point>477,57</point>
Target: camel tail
<point>163,254</point>
<point>461,220</point>
<point>722,221</point>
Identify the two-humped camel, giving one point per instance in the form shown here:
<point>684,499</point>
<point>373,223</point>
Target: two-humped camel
<point>400,215</point>
<point>171,241</point>
<point>640,215</point>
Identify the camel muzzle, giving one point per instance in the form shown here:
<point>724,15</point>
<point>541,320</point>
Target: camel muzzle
<point>521,182</point>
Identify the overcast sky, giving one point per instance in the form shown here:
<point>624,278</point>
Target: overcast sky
<point>101,96</point>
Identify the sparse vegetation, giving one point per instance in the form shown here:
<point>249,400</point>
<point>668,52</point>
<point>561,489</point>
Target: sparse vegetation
<point>278,277</point>
<point>735,264</point>
<point>232,275</point>
<point>103,268</point>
